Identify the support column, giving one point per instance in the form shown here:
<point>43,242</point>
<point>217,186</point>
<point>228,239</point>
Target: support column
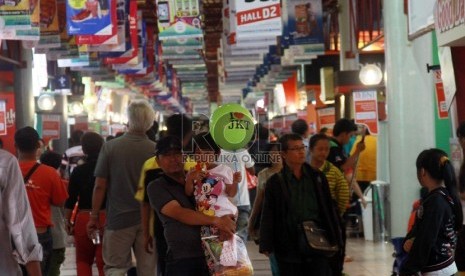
<point>23,91</point>
<point>410,111</point>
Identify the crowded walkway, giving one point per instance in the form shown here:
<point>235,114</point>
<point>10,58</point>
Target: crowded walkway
<point>370,259</point>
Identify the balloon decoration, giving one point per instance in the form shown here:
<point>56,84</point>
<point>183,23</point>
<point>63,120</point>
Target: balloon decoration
<point>231,127</point>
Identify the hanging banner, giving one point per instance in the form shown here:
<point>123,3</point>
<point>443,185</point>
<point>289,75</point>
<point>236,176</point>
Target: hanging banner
<point>16,14</point>
<point>440,96</point>
<point>179,19</point>
<point>131,55</point>
<point>3,129</point>
<point>304,25</point>
<point>326,118</point>
<point>113,38</point>
<point>366,109</point>
<point>183,44</point>
<point>255,18</point>
<point>20,33</point>
<point>90,17</point>
<point>50,127</point>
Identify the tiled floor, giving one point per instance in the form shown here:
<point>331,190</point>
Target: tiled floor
<point>370,259</point>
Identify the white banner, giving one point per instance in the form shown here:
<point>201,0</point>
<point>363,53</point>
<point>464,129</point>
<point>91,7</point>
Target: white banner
<point>255,18</point>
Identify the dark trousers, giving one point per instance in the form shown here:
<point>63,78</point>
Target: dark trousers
<point>46,241</point>
<point>187,267</point>
<point>57,258</point>
<point>318,266</point>
<point>337,261</point>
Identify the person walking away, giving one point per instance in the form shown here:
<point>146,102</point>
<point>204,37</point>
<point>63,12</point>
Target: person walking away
<point>80,188</point>
<point>431,242</point>
<point>116,176</point>
<point>18,238</point>
<point>44,189</point>
<point>59,235</point>
<point>73,156</point>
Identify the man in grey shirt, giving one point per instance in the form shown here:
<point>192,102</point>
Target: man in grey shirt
<point>117,174</point>
<point>177,213</point>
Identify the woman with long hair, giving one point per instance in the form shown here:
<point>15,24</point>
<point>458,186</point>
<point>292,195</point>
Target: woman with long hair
<point>81,186</point>
<point>431,242</point>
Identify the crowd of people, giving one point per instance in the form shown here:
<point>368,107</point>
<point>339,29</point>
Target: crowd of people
<point>175,204</point>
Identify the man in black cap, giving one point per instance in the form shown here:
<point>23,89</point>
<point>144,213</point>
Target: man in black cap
<point>177,213</point>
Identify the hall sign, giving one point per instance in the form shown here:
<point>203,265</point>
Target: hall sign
<point>260,14</point>
<point>449,14</point>
<point>255,18</point>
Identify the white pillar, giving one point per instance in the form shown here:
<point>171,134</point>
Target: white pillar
<point>410,110</point>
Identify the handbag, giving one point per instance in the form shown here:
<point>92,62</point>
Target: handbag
<point>313,240</point>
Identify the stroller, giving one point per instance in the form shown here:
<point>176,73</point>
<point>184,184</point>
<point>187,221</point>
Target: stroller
<point>399,254</point>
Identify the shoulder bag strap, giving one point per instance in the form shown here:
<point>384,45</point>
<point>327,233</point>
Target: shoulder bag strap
<point>30,172</point>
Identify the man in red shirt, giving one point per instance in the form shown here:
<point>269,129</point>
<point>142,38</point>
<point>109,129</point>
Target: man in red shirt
<point>43,186</point>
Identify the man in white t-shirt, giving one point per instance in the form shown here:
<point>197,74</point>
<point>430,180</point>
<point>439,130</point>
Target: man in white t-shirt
<point>240,161</point>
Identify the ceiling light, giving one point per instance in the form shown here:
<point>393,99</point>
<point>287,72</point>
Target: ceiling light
<point>46,102</point>
<point>371,74</point>
<point>76,108</point>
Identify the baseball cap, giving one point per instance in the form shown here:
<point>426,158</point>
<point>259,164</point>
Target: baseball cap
<point>167,144</point>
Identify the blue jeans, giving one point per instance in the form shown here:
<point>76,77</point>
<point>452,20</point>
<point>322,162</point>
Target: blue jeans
<point>187,267</point>
<point>243,222</point>
<point>45,239</point>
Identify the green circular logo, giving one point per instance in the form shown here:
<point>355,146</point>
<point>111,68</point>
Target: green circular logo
<point>231,127</point>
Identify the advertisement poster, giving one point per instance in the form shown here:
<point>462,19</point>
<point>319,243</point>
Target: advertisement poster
<point>16,14</point>
<point>147,65</point>
<point>10,116</point>
<point>90,17</point>
<point>326,118</point>
<point>3,130</point>
<point>113,38</point>
<point>366,109</point>
<point>49,25</point>
<point>32,33</point>
<point>440,96</point>
<point>131,55</point>
<point>304,24</point>
<point>179,19</point>
<point>255,18</point>
<point>50,127</point>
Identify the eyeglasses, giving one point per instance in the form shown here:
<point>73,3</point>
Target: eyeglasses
<point>298,148</point>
